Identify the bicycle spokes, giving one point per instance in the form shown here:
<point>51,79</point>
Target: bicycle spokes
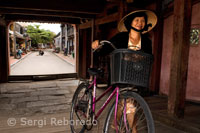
<point>82,105</point>
<point>130,117</point>
<point>81,109</point>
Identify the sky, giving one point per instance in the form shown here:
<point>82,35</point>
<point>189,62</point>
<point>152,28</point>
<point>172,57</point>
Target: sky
<point>52,27</point>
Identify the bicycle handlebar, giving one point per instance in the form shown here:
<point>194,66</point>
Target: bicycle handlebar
<point>102,43</point>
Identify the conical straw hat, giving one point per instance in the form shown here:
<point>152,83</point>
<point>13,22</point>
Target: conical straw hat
<point>151,19</point>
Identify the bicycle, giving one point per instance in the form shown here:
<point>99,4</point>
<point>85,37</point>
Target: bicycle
<point>128,104</point>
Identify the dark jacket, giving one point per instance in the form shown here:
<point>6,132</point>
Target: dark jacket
<point>120,41</point>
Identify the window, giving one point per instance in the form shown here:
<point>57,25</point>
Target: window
<point>194,36</point>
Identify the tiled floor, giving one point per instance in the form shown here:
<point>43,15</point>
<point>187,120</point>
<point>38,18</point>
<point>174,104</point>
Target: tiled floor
<point>45,106</point>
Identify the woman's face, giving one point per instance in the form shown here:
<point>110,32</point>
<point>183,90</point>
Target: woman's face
<point>138,23</point>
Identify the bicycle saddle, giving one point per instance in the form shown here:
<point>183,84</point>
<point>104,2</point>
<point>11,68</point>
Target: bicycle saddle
<point>95,71</point>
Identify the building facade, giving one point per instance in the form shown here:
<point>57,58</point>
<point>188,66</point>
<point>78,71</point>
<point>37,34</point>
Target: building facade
<point>18,38</point>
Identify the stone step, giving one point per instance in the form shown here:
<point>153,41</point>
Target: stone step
<point>43,97</point>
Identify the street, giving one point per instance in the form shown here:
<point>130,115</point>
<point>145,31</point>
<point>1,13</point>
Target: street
<point>34,64</point>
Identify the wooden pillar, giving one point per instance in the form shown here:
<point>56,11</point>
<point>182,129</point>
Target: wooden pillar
<point>92,39</point>
<point>77,50</point>
<point>4,53</point>
<point>14,39</point>
<point>179,60</point>
<point>84,54</point>
<point>157,49</point>
<point>122,10</point>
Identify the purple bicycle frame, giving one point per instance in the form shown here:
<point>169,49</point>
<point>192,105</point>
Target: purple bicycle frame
<point>116,91</point>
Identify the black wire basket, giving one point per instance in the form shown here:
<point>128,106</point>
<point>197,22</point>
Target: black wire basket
<point>130,67</point>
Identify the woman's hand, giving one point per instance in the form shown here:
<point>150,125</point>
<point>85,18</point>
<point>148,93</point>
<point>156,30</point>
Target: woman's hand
<point>95,44</point>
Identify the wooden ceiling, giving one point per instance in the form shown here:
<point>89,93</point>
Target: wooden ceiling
<point>71,11</point>
<point>54,11</point>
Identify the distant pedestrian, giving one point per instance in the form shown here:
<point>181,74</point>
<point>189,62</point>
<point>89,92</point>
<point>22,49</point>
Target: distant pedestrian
<point>41,52</point>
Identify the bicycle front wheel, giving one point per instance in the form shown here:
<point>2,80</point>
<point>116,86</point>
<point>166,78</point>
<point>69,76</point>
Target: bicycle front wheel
<point>81,110</point>
<point>133,115</point>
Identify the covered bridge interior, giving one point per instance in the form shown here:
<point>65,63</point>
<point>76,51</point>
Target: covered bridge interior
<point>98,19</point>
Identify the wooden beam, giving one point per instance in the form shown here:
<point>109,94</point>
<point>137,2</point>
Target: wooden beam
<point>195,1</point>
<point>45,13</point>
<point>180,55</point>
<point>41,77</point>
<point>85,25</point>
<point>104,20</point>
<point>29,18</point>
<point>169,10</point>
<point>78,6</point>
<point>107,19</point>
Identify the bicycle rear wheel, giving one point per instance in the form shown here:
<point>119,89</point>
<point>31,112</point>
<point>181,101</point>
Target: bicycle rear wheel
<point>81,110</point>
<point>133,115</point>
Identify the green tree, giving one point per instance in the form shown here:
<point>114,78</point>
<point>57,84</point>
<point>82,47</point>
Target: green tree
<point>38,35</point>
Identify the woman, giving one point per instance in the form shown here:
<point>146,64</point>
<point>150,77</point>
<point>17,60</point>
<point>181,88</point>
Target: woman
<point>132,32</point>
<point>132,36</point>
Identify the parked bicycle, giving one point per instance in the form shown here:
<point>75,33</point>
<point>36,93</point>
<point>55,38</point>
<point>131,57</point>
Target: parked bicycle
<point>130,70</point>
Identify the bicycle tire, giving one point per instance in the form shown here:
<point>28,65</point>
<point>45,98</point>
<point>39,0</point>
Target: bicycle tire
<point>109,123</point>
<point>81,105</point>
